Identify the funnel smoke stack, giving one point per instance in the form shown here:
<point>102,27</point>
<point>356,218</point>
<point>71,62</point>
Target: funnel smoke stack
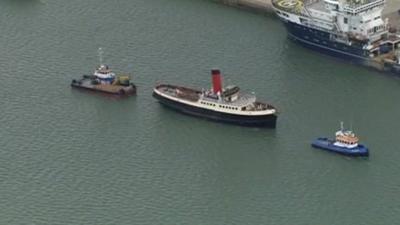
<point>216,80</point>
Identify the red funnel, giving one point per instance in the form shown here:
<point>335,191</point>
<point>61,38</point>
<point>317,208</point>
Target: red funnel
<point>216,80</point>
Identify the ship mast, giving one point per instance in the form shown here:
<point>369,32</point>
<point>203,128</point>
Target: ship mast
<point>100,52</point>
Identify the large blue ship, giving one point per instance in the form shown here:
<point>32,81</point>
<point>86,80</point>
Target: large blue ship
<point>349,29</point>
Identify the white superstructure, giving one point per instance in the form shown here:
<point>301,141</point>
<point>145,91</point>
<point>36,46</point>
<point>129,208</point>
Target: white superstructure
<point>104,74</point>
<point>345,138</point>
<point>346,19</point>
<point>237,104</point>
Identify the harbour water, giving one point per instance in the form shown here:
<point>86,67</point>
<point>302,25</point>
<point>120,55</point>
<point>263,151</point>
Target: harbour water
<point>73,157</point>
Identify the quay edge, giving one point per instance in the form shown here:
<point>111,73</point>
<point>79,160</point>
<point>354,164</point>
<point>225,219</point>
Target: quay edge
<point>261,6</point>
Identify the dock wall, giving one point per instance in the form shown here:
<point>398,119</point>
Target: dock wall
<point>264,6</point>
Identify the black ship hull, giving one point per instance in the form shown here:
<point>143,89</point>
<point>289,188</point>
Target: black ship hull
<point>319,41</point>
<point>86,84</point>
<point>251,121</point>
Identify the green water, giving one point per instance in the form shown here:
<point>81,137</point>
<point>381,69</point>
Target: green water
<point>73,157</point>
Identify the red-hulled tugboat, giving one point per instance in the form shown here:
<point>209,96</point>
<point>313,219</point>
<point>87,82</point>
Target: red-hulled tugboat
<point>219,104</point>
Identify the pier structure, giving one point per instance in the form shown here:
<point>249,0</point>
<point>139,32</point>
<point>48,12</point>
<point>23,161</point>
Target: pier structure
<point>256,5</point>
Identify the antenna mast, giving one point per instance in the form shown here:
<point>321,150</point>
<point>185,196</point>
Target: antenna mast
<point>100,52</point>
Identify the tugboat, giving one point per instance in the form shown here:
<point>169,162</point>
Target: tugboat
<point>219,104</point>
<point>104,80</point>
<point>346,143</point>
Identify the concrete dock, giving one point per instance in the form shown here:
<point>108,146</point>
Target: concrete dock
<point>391,10</point>
<point>256,5</point>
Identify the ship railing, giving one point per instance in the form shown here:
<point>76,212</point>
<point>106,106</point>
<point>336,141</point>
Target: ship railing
<point>310,2</point>
<point>317,27</point>
<point>251,109</point>
<point>258,106</point>
<point>308,14</point>
<point>355,8</point>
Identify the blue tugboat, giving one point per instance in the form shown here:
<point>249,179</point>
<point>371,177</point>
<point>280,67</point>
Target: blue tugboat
<point>345,143</point>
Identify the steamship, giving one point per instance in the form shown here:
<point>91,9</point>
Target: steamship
<point>219,104</point>
<point>349,29</point>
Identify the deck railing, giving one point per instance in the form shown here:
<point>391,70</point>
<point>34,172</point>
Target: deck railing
<point>355,8</point>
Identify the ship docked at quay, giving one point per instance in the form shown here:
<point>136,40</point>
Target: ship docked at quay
<point>349,29</point>
<point>219,104</point>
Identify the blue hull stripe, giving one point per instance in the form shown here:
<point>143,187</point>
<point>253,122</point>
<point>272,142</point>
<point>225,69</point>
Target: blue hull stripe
<point>325,144</point>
